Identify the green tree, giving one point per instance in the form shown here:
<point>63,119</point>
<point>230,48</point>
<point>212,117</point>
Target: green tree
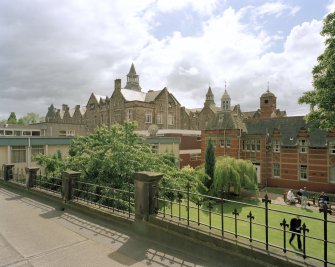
<point>209,164</point>
<point>12,118</point>
<point>30,118</point>
<point>233,173</point>
<point>322,98</point>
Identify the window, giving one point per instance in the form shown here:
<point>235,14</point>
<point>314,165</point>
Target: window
<point>148,117</point>
<point>253,148</point>
<point>221,143</point>
<point>35,150</point>
<point>258,145</point>
<point>159,118</point>
<point>332,174</point>
<point>266,101</point>
<point>276,145</point>
<point>129,115</point>
<point>303,172</point>
<point>248,145</point>
<point>243,145</point>
<point>276,170</point>
<point>198,138</point>
<point>228,143</point>
<point>18,154</point>
<point>170,119</point>
<point>332,147</point>
<point>194,157</point>
<point>302,146</point>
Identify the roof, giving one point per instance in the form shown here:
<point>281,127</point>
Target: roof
<point>132,69</point>
<point>267,94</point>
<point>97,97</point>
<point>289,128</point>
<point>225,95</point>
<point>151,95</point>
<point>227,120</point>
<point>131,95</point>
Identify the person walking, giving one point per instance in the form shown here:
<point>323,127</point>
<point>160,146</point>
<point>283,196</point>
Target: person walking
<point>295,228</point>
<point>304,198</point>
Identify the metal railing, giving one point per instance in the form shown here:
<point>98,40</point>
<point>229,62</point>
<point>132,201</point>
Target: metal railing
<point>19,176</point>
<point>105,197</point>
<point>250,222</point>
<point>52,184</point>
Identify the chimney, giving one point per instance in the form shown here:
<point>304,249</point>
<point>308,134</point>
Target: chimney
<point>77,107</point>
<point>117,84</point>
<point>64,107</point>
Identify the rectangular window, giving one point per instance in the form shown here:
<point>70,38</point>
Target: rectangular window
<point>258,145</point>
<point>276,170</point>
<point>35,150</point>
<point>248,145</point>
<point>159,118</point>
<point>129,115</point>
<point>302,146</point>
<point>170,119</point>
<point>303,172</point>
<point>253,148</point>
<point>198,138</point>
<point>228,143</point>
<point>194,157</point>
<point>18,154</point>
<point>221,143</point>
<point>154,148</point>
<point>148,116</point>
<point>243,145</point>
<point>276,146</point>
<point>332,174</point>
<point>332,147</point>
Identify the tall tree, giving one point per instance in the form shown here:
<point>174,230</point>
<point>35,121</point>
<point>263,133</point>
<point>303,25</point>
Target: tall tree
<point>322,98</point>
<point>209,163</point>
<point>30,118</point>
<point>12,118</point>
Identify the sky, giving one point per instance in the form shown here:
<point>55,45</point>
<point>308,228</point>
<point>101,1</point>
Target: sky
<point>60,51</point>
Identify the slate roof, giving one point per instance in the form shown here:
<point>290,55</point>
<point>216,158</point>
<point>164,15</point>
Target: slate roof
<point>131,95</point>
<point>289,128</point>
<point>151,95</point>
<point>227,120</point>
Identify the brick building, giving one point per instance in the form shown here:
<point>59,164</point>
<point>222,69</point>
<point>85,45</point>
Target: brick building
<point>285,151</point>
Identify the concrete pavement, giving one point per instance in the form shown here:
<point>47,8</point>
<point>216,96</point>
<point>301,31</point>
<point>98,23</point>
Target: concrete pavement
<point>34,233</point>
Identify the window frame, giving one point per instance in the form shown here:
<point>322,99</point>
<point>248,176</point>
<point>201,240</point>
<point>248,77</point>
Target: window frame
<point>18,154</point>
<point>303,169</point>
<point>276,170</point>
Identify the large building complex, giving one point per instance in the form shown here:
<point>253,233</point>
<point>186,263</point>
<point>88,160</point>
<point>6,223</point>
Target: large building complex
<point>285,151</point>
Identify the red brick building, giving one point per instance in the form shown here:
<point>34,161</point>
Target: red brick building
<point>285,151</point>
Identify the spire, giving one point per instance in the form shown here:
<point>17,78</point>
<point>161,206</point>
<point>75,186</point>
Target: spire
<point>209,97</point>
<point>133,80</point>
<point>132,70</point>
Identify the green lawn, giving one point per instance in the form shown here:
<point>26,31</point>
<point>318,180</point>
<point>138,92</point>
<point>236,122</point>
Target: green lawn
<point>313,247</point>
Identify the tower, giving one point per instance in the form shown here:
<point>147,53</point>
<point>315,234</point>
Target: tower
<point>209,98</point>
<point>267,105</point>
<point>225,100</point>
<point>133,81</point>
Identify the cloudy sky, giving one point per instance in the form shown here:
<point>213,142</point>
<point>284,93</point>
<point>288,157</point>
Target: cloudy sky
<point>60,51</point>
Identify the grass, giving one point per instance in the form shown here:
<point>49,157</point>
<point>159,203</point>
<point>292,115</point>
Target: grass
<point>313,247</point>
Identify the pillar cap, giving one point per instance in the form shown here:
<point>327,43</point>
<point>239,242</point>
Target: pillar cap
<point>147,176</point>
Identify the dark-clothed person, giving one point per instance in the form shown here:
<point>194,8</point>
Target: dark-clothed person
<point>295,228</point>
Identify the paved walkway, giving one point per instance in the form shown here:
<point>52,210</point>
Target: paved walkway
<point>35,234</point>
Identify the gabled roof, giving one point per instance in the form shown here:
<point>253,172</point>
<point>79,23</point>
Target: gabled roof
<point>151,95</point>
<point>98,97</point>
<point>289,128</point>
<point>132,95</point>
<point>227,120</point>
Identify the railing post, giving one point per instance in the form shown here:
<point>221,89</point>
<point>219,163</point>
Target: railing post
<point>284,224</point>
<point>266,200</point>
<point>69,183</point>
<point>210,207</point>
<point>188,186</point>
<point>222,214</point>
<point>250,217</point>
<point>198,208</point>
<point>324,208</point>
<point>146,186</point>
<point>8,171</point>
<point>235,213</point>
<point>32,175</point>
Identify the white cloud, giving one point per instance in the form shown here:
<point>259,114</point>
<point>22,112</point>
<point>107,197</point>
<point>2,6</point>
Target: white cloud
<point>204,7</point>
<point>275,8</point>
<point>331,6</point>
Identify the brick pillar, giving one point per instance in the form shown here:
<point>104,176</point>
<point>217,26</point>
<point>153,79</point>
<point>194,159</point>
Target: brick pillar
<point>7,171</point>
<point>32,174</point>
<point>69,182</point>
<point>146,186</point>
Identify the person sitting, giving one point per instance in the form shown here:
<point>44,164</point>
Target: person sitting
<point>323,199</point>
<point>290,197</point>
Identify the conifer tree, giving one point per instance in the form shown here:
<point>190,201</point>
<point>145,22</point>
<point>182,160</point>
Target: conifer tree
<point>209,163</point>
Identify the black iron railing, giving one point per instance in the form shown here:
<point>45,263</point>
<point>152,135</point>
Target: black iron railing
<point>255,223</point>
<point>105,197</point>
<point>49,183</point>
<point>19,176</point>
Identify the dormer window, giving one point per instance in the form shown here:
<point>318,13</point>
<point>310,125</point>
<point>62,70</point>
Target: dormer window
<point>303,146</point>
<point>276,145</point>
